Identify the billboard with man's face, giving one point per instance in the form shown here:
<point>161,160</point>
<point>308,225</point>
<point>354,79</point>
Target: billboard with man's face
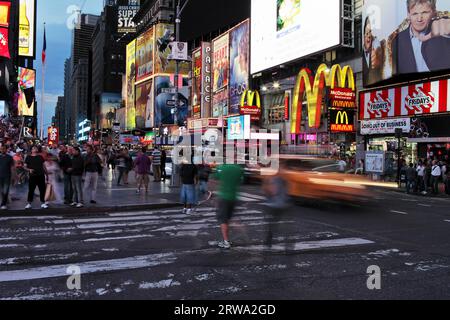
<point>286,30</point>
<point>405,37</point>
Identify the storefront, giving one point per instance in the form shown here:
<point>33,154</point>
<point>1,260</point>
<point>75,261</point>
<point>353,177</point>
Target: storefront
<point>420,110</point>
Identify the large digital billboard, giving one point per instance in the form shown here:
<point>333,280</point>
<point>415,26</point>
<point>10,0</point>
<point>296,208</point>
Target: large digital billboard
<point>125,15</point>
<point>144,104</point>
<point>405,37</point>
<point>286,30</point>
<point>239,64</point>
<point>27,84</point>
<point>144,56</point>
<point>110,102</point>
<point>27,28</point>
<point>130,83</point>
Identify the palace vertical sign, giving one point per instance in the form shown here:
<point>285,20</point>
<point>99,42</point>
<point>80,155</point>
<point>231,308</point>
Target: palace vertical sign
<point>206,79</point>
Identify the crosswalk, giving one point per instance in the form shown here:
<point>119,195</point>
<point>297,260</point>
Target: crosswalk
<point>248,197</point>
<point>33,249</point>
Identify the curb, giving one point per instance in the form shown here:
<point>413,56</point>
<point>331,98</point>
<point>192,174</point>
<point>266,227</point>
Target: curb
<point>87,211</point>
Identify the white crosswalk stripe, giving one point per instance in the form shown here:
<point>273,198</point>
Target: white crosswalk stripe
<point>102,244</point>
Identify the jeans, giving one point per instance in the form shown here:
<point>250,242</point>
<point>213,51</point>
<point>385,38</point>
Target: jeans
<point>90,185</point>
<point>410,186</point>
<point>435,184</point>
<point>188,194</point>
<point>77,189</point>
<point>4,187</point>
<point>157,172</point>
<point>36,181</point>
<point>68,190</point>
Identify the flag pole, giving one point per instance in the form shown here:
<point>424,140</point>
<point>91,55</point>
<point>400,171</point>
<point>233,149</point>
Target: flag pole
<point>43,96</point>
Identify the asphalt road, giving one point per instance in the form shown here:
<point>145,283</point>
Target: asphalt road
<point>320,251</point>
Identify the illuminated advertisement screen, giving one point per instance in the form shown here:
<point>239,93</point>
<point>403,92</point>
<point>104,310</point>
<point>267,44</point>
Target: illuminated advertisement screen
<point>238,128</point>
<point>27,84</point>
<point>239,64</point>
<point>144,104</point>
<point>286,30</point>
<point>5,8</point>
<point>144,56</point>
<point>130,83</point>
<point>110,102</point>
<point>221,63</point>
<point>125,15</point>
<point>27,21</point>
<point>404,38</point>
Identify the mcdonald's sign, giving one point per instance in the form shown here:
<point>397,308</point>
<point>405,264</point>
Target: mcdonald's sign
<point>342,120</point>
<point>251,105</point>
<point>313,89</point>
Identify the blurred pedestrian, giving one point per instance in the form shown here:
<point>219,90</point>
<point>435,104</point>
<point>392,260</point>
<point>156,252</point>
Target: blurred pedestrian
<point>92,167</point>
<point>34,164</point>
<point>156,162</point>
<point>76,171</point>
<point>6,172</point>
<point>230,178</point>
<point>163,165</point>
<point>189,179</point>
<point>142,167</point>
<point>411,177</point>
<point>65,163</point>
<point>435,176</point>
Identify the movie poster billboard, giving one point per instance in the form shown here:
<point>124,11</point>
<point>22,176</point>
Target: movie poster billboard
<point>221,62</point>
<point>196,96</point>
<point>125,15</point>
<point>27,86</point>
<point>220,103</point>
<point>109,103</point>
<point>144,100</point>
<point>401,37</point>
<point>165,34</point>
<point>144,56</point>
<point>239,64</point>
<point>130,83</point>
<point>163,113</point>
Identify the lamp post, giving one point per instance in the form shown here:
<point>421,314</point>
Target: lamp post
<point>174,179</point>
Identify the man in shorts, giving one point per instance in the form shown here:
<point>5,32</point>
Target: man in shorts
<point>230,178</point>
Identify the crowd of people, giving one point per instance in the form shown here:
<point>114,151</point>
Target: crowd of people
<point>426,177</point>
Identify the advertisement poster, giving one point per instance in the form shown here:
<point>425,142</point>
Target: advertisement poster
<point>144,56</point>
<point>239,64</point>
<point>53,136</point>
<point>125,15</point>
<point>5,8</point>
<point>196,96</point>
<point>110,102</point>
<point>27,20</point>
<point>163,114</point>
<point>165,34</point>
<point>221,62</point>
<point>143,99</point>
<point>238,128</point>
<point>220,104</point>
<point>375,162</point>
<point>387,126</point>
<point>401,38</point>
<point>120,118</point>
<point>4,43</point>
<point>27,84</point>
<point>286,30</point>
<point>130,83</point>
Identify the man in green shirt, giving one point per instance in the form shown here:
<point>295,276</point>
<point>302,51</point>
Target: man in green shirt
<point>230,178</point>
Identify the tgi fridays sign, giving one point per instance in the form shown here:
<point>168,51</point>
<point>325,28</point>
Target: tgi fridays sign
<point>388,126</point>
<point>418,99</point>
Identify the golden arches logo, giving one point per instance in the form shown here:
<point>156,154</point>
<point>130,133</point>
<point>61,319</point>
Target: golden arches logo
<point>342,117</point>
<point>314,91</point>
<point>250,97</point>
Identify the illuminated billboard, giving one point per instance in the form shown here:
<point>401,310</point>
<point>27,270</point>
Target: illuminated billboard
<point>286,30</point>
<point>27,28</point>
<point>27,83</point>
<point>401,37</point>
<point>144,56</point>
<point>110,102</point>
<point>125,15</point>
<point>5,8</point>
<point>130,83</point>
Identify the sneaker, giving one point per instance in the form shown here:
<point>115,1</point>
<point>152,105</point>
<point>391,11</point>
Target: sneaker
<point>93,202</point>
<point>80,205</point>
<point>225,244</point>
<point>4,208</point>
<point>44,206</point>
<point>73,204</point>
<point>29,206</point>
<point>185,211</point>
<point>138,191</point>
<point>189,211</point>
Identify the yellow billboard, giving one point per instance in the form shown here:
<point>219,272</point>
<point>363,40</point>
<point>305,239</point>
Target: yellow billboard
<point>27,14</point>
<point>130,102</point>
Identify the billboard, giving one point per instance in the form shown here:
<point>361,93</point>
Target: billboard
<point>386,126</point>
<point>163,113</point>
<point>125,15</point>
<point>238,128</point>
<point>342,120</point>
<point>221,64</point>
<point>196,91</point>
<point>53,136</point>
<point>143,101</point>
<point>4,43</point>
<point>410,100</point>
<point>27,28</point>
<point>220,103</point>
<point>144,56</point>
<point>239,64</point>
<point>130,83</point>
<point>401,39</point>
<point>286,30</point>
<point>165,34</point>
<point>27,84</point>
<point>5,8</point>
<point>109,103</point>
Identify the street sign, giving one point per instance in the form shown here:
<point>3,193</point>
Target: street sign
<point>179,51</point>
<point>171,103</point>
<point>169,90</point>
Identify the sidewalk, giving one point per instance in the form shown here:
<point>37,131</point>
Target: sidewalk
<point>110,198</point>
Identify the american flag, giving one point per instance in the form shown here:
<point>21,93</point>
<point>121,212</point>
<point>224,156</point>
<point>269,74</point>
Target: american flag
<point>44,48</point>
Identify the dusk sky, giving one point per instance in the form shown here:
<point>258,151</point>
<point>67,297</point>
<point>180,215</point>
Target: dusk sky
<point>57,15</point>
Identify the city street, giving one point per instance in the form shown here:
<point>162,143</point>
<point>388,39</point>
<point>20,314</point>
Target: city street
<point>320,251</point>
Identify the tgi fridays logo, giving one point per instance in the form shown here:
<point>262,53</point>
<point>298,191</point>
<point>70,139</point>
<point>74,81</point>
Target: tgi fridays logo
<point>379,106</point>
<point>419,101</point>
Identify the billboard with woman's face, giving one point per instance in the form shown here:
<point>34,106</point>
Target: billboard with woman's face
<point>405,37</point>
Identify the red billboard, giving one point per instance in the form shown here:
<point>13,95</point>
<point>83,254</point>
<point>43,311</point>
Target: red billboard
<point>53,136</point>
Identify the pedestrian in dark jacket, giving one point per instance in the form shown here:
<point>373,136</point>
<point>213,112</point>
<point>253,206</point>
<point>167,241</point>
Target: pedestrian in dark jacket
<point>411,177</point>
<point>76,171</point>
<point>65,163</point>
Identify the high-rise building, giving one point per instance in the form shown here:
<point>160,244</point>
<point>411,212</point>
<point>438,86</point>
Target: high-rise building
<point>59,119</point>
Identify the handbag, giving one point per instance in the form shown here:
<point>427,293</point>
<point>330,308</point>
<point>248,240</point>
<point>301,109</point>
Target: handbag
<point>49,193</point>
